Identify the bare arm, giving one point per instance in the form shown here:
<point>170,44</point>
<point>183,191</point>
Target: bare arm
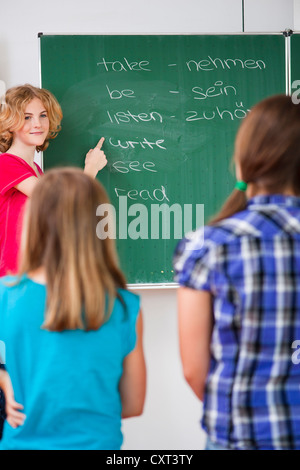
<point>27,186</point>
<point>195,321</point>
<point>94,162</point>
<point>133,381</point>
<point>13,416</point>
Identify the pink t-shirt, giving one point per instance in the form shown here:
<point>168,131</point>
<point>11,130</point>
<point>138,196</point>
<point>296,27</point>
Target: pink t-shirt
<point>13,170</point>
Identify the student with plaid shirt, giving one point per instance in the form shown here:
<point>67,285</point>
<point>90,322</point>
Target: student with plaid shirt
<point>239,294</point>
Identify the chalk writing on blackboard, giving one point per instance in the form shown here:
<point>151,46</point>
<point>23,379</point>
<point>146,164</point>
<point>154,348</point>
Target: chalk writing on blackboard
<point>144,144</point>
<point>198,93</point>
<point>210,64</point>
<point>214,91</point>
<point>124,66</point>
<point>237,112</point>
<point>169,107</point>
<point>125,167</point>
<point>129,117</point>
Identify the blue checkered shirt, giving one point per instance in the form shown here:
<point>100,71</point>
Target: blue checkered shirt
<point>250,263</point>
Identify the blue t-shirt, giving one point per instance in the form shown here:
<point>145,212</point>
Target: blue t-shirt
<point>68,382</point>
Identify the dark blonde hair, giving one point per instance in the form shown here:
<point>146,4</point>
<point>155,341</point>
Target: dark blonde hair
<point>267,149</point>
<point>60,234</point>
<point>12,113</point>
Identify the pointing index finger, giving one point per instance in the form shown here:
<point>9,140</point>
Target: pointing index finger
<point>100,143</point>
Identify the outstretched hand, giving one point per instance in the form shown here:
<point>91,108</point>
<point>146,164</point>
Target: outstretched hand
<point>95,159</point>
<point>13,414</point>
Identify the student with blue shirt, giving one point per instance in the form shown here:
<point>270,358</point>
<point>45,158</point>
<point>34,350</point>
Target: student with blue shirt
<point>29,118</point>
<point>72,331</point>
<point>239,294</point>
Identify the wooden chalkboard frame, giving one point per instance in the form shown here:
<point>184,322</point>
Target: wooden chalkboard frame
<point>286,34</point>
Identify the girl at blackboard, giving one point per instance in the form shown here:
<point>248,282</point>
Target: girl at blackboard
<point>29,118</point>
<point>74,355</point>
<point>238,300</point>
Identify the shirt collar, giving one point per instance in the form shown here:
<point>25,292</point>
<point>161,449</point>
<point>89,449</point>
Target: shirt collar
<point>275,199</point>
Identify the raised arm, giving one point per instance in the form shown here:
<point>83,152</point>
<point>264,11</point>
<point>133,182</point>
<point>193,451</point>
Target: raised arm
<point>95,160</point>
<point>195,321</point>
<point>133,381</point>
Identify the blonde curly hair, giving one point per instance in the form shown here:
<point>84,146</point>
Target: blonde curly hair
<point>12,114</point>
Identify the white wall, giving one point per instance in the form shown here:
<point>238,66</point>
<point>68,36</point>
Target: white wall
<point>172,412</point>
<point>19,45</point>
<point>296,15</point>
<point>268,15</point>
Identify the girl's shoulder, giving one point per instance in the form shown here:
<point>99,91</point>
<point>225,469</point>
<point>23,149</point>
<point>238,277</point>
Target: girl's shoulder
<point>7,281</point>
<point>206,240</point>
<point>15,284</point>
<point>129,298</point>
<point>8,160</point>
<point>10,157</point>
<point>240,224</point>
<point>13,170</point>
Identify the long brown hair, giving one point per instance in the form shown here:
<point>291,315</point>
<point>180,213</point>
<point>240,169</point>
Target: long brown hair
<point>267,148</point>
<point>12,113</point>
<point>60,235</point>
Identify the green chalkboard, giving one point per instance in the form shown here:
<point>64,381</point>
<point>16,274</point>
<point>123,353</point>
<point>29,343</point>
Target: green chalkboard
<point>169,107</point>
<point>295,66</point>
